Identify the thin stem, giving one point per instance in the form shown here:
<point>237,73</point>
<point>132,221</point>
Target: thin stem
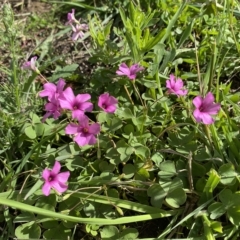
<point>129,96</point>
<point>136,90</point>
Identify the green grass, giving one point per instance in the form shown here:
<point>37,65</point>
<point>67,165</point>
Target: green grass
<point>152,160</point>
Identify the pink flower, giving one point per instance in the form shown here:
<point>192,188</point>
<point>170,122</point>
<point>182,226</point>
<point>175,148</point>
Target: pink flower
<point>52,108</point>
<point>131,72</point>
<point>71,17</point>
<point>205,108</point>
<point>51,90</point>
<point>107,103</point>
<point>83,132</point>
<point>175,86</point>
<point>78,105</point>
<point>31,65</point>
<point>54,179</point>
<point>78,31</point>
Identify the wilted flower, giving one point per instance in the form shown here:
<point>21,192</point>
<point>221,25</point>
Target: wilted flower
<point>131,72</point>
<point>78,105</point>
<point>31,65</point>
<point>52,108</point>
<point>78,31</point>
<point>71,17</point>
<point>84,134</point>
<point>54,179</point>
<point>107,103</point>
<point>205,108</point>
<point>52,90</point>
<point>175,86</point>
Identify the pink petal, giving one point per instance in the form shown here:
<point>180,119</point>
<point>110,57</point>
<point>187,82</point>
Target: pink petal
<point>60,187</point>
<point>123,70</point>
<point>80,140</point>
<point>91,140</point>
<point>60,85</point>
<point>49,90</point>
<point>63,177</point>
<point>46,174</point>
<point>48,114</point>
<point>87,106</point>
<point>178,84</point>
<point>80,98</point>
<point>56,114</point>
<point>65,104</point>
<point>50,107</point>
<point>69,95</point>
<point>213,109</point>
<point>206,118</point>
<point>132,76</point>
<point>46,188</point>
<point>208,100</point>
<point>71,128</point>
<point>76,113</point>
<point>94,128</point>
<point>56,168</point>
<point>197,101</point>
<point>168,84</point>
<point>110,109</point>
<point>83,120</point>
<point>197,115</point>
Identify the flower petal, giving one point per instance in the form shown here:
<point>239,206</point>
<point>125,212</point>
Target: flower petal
<point>87,106</point>
<point>197,101</point>
<point>68,95</point>
<point>71,128</point>
<point>46,188</point>
<point>76,113</point>
<point>60,187</point>
<point>60,85</point>
<point>94,128</point>
<point>208,100</point>
<point>63,177</point>
<point>81,140</point>
<point>46,174</point>
<point>91,140</point>
<point>206,118</point>
<point>110,109</point>
<point>123,70</point>
<point>56,168</point>
<point>213,109</point>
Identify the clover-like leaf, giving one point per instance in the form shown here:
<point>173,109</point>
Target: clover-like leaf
<point>109,233</point>
<point>228,174</point>
<point>216,210</point>
<point>28,230</point>
<point>176,198</point>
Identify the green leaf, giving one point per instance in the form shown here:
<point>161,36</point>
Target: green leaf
<point>109,233</point>
<point>142,174</point>
<point>34,188</point>
<point>128,170</point>
<point>125,113</point>
<point>216,210</point>
<point>24,217</point>
<point>59,232</point>
<point>176,198</point>
<point>157,195</point>
<point>185,34</point>
<point>234,215</point>
<point>228,174</point>
<point>28,230</point>
<point>217,226</point>
<point>129,233</point>
<point>30,132</point>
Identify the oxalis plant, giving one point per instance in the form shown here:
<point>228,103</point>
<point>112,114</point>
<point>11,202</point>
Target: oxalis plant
<point>144,141</point>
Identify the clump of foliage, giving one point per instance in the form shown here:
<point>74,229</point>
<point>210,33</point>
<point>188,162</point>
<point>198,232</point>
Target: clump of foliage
<point>148,129</point>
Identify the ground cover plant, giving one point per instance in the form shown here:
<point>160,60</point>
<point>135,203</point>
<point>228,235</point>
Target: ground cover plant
<point>120,121</point>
